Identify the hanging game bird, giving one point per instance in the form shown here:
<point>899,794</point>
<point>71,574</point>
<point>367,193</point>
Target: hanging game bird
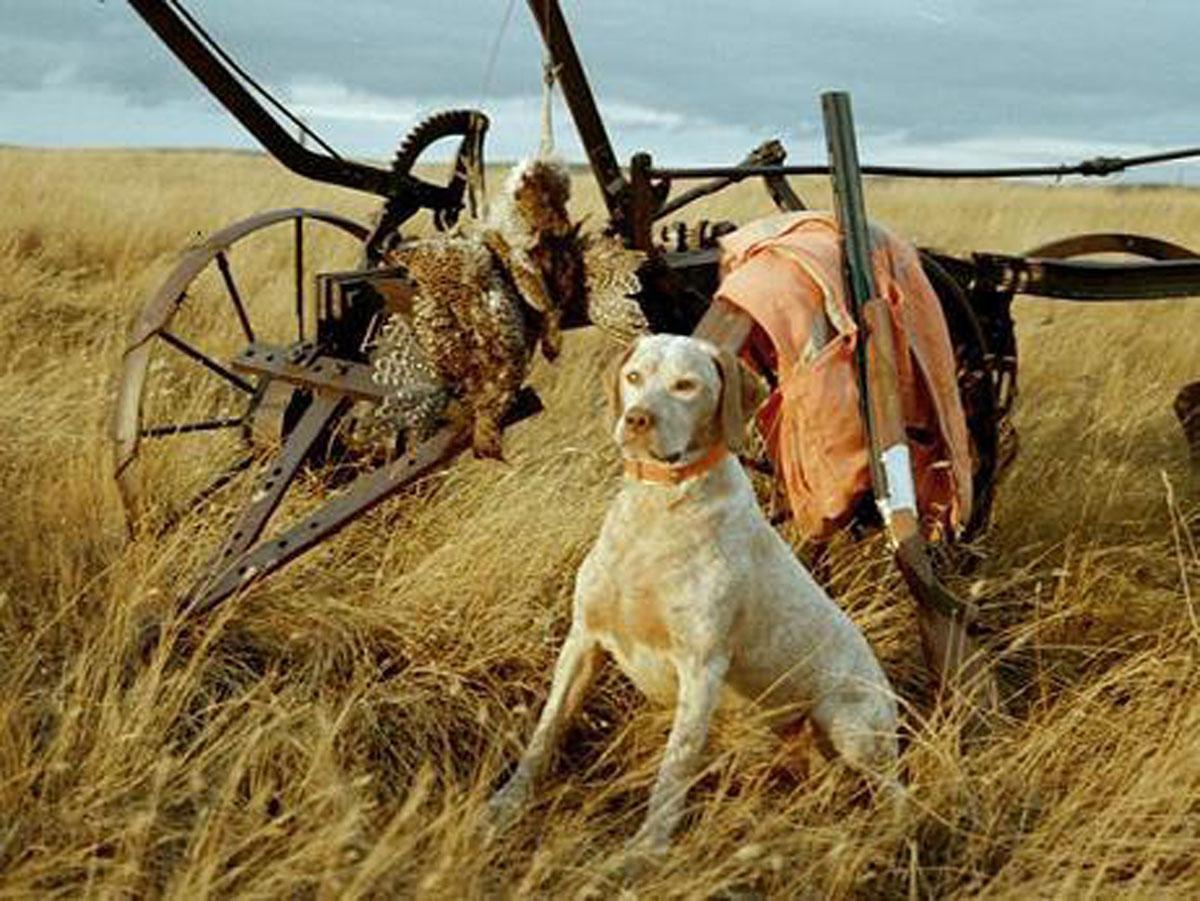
<point>487,297</point>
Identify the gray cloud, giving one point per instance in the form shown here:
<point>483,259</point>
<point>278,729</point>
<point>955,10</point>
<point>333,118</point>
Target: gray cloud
<point>1105,73</point>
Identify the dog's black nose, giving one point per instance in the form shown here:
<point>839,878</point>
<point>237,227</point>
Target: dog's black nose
<point>638,419</point>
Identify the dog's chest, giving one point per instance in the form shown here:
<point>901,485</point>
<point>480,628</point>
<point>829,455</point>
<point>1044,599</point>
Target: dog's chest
<point>642,651</point>
<point>633,623</point>
<point>648,605</point>
<point>629,619</point>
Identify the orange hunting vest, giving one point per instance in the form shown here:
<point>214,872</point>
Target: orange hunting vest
<point>786,272</point>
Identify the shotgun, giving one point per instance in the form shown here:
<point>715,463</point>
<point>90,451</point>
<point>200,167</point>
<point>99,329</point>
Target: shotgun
<point>943,618</point>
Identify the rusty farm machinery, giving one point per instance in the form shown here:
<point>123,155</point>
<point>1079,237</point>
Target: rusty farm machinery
<point>267,391</point>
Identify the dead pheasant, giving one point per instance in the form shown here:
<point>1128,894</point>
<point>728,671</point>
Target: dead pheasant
<point>488,296</point>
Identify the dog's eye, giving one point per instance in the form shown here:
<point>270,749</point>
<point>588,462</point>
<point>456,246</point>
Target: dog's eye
<point>634,378</point>
<point>683,386</point>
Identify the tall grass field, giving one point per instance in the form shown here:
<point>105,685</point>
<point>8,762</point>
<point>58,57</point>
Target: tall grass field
<point>334,732</point>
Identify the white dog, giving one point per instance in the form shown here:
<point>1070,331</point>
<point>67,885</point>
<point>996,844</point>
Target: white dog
<point>690,589</point>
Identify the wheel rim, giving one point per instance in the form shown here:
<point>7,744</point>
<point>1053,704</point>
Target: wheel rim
<point>1111,242</point>
<point>178,394</point>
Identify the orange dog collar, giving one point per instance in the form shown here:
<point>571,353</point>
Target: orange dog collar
<point>673,474</point>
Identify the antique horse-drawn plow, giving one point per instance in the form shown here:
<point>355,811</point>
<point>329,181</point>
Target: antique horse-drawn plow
<point>286,380</point>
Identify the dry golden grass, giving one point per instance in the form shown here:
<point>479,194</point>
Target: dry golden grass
<point>335,731</point>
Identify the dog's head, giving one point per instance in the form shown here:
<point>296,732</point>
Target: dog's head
<point>674,397</point>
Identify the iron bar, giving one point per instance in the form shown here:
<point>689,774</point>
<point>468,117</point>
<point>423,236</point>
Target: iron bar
<point>299,260</point>
<point>230,473</point>
<point>364,494</point>
<point>207,492</point>
<point>769,153</point>
<point>355,380</point>
<point>1094,168</point>
<point>239,565</point>
<point>219,51</point>
<point>233,95</point>
<point>234,296</point>
<point>642,205</point>
<point>1112,242</point>
<point>207,362</point>
<point>281,470</point>
<point>1089,281</point>
<point>183,428</point>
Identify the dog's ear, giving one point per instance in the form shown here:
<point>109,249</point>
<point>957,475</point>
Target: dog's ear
<point>612,381</point>
<point>739,398</point>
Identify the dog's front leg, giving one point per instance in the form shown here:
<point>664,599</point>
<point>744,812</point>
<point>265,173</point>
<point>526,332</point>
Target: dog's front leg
<point>700,684</point>
<point>572,674</point>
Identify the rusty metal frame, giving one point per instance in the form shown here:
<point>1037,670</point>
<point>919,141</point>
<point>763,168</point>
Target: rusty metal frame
<point>245,560</point>
<point>314,375</point>
<point>1111,242</point>
<point>321,373</point>
<point>1089,281</point>
<point>216,77</point>
<point>156,315</point>
<point>242,562</point>
<point>230,85</point>
<point>321,377</point>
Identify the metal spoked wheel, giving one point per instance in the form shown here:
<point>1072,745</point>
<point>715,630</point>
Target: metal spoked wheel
<point>186,423</point>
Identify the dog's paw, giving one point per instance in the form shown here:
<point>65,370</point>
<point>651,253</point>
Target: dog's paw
<point>504,808</point>
<point>896,803</point>
<point>644,854</point>
<point>638,865</point>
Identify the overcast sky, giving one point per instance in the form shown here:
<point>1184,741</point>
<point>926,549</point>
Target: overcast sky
<point>934,81</point>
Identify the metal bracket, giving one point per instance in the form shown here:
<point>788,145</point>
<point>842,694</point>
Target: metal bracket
<point>322,410</point>
<point>322,373</point>
<point>238,565</point>
<point>251,565</point>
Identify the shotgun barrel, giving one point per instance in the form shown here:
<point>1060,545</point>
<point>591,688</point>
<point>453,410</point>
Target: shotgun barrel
<point>943,617</point>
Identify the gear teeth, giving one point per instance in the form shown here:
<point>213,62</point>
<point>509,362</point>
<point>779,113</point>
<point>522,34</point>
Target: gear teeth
<point>431,129</point>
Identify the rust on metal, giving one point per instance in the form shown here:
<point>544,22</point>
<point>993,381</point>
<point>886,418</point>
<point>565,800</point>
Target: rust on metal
<point>161,307</point>
<point>322,373</point>
<point>1090,281</point>
<point>1111,242</point>
<point>157,313</point>
<point>239,565</point>
<point>206,361</point>
<point>249,566</point>
<point>298,258</point>
<point>643,206</point>
<point>183,428</point>
<point>769,153</point>
<point>184,41</point>
<point>235,296</point>
<point>278,477</point>
<point>328,370</point>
